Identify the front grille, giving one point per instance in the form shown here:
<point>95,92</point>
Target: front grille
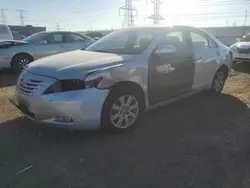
<point>243,50</point>
<point>33,84</point>
<point>28,87</point>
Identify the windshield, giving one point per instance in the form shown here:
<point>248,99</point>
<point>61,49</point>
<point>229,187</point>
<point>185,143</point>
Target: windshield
<point>125,41</point>
<point>33,38</point>
<point>246,38</point>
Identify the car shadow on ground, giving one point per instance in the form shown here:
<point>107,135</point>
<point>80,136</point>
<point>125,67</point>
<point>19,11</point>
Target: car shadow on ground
<point>168,148</point>
<point>242,67</point>
<point>7,78</point>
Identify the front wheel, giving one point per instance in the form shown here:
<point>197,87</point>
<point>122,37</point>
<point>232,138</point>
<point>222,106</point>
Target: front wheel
<point>219,80</point>
<point>121,111</point>
<point>19,62</point>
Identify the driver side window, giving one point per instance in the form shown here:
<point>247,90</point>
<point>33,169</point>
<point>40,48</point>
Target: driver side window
<point>176,39</point>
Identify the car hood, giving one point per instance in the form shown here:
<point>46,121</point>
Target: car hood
<point>242,45</point>
<point>76,64</point>
<point>10,43</point>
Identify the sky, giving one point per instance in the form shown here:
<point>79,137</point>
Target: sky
<point>81,15</point>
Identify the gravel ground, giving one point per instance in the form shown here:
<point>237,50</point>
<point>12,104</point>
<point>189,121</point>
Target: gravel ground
<point>201,142</point>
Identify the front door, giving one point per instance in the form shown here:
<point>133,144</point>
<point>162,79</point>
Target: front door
<point>50,45</point>
<point>171,74</point>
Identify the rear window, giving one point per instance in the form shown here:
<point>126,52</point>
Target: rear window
<point>3,30</point>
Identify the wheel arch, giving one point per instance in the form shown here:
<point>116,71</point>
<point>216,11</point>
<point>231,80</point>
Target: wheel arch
<point>133,87</point>
<point>225,68</point>
<point>24,54</point>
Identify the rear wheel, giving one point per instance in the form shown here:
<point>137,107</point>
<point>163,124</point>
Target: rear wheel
<point>19,62</point>
<point>219,80</point>
<point>121,111</point>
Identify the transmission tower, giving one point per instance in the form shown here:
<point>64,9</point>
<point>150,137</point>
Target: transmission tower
<point>156,15</point>
<point>129,13</point>
<point>3,15</point>
<point>57,26</point>
<point>22,17</point>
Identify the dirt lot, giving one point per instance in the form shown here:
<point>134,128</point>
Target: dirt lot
<point>201,142</point>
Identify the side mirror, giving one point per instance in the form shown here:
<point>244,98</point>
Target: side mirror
<point>164,50</point>
<point>237,39</point>
<point>43,42</point>
<point>96,38</point>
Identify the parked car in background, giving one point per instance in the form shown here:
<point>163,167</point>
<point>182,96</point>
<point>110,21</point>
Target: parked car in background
<point>117,78</point>
<point>5,32</point>
<point>17,35</point>
<point>241,49</point>
<point>17,54</point>
<point>96,35</point>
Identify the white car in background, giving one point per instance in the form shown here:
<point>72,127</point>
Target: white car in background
<point>241,49</point>
<point>17,54</point>
<point>5,32</point>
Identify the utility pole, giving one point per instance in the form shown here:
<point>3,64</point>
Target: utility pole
<point>128,14</point>
<point>156,17</point>
<point>57,26</point>
<point>3,15</point>
<point>245,21</point>
<point>22,17</point>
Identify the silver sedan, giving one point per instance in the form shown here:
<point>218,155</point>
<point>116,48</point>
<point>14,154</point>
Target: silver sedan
<point>123,74</point>
<point>17,54</point>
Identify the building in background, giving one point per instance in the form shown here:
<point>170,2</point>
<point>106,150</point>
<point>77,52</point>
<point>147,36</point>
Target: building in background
<point>26,30</point>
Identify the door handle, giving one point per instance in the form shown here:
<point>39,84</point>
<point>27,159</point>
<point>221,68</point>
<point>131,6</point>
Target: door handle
<point>217,53</point>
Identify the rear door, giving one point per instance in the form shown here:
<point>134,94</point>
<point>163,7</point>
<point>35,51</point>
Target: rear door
<point>171,75</point>
<point>74,41</point>
<point>206,54</point>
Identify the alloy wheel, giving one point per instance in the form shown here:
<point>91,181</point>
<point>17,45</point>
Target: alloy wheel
<point>219,81</point>
<point>124,111</point>
<point>23,62</point>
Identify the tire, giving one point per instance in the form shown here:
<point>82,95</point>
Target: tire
<point>117,117</point>
<point>19,61</point>
<point>219,80</point>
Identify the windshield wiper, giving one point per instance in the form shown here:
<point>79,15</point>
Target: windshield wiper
<point>101,51</point>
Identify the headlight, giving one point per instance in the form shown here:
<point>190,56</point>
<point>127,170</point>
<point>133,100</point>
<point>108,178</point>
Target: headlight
<point>233,49</point>
<point>71,85</point>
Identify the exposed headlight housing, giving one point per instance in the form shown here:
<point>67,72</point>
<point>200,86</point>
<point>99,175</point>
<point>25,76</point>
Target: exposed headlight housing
<point>71,85</point>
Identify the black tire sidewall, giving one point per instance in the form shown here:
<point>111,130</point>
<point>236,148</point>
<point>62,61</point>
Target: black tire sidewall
<point>106,123</point>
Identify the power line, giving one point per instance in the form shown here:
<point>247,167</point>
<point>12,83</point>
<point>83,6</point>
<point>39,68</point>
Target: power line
<point>3,15</point>
<point>22,17</point>
<point>156,15</point>
<point>128,14</point>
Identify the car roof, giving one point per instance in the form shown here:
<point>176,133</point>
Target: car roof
<point>166,27</point>
<point>56,32</point>
<point>4,25</point>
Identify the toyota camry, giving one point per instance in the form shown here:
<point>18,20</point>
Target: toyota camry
<point>112,82</point>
